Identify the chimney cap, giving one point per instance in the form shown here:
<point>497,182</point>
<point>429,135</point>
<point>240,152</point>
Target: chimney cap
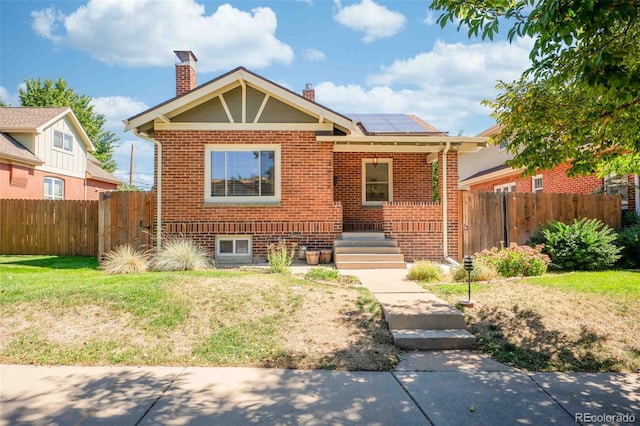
<point>308,86</point>
<point>185,56</point>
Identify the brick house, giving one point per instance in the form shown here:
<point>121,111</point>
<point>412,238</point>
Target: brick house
<point>486,171</point>
<point>44,154</point>
<point>241,162</point>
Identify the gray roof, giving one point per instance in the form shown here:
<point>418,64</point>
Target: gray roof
<point>95,171</point>
<point>28,118</point>
<point>14,150</point>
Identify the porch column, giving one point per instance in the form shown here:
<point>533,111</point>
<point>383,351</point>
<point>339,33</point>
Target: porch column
<point>452,198</point>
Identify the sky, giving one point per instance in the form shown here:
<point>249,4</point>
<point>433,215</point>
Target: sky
<point>366,56</point>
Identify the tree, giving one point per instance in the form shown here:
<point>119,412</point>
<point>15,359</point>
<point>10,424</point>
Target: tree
<point>47,93</point>
<point>579,100</point>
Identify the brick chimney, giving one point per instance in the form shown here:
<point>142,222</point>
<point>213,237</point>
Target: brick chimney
<point>185,71</point>
<point>309,92</point>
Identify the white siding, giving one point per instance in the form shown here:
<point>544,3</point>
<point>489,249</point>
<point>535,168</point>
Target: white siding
<point>58,160</point>
<point>26,139</point>
<point>471,163</point>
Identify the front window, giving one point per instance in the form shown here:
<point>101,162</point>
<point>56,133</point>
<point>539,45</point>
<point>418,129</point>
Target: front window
<point>53,189</point>
<point>377,181</point>
<point>242,173</point>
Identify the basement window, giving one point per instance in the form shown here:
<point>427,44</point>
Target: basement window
<point>233,246</point>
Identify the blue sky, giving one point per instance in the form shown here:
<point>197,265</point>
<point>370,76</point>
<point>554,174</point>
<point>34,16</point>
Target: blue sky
<point>362,56</point>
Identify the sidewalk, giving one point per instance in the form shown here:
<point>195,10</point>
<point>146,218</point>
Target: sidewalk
<point>461,388</point>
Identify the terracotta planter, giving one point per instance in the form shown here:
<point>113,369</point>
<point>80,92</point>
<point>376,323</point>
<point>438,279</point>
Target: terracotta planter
<point>313,257</point>
<point>325,256</point>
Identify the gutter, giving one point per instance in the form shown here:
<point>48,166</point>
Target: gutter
<point>637,185</point>
<point>159,184</point>
<point>445,203</point>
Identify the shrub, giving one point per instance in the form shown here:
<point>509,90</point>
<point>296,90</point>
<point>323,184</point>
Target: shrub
<point>125,260</point>
<point>180,254</point>
<point>630,219</point>
<point>325,274</point>
<point>515,260</point>
<point>280,257</point>
<point>425,270</point>
<point>629,241</point>
<point>586,244</point>
<point>481,272</point>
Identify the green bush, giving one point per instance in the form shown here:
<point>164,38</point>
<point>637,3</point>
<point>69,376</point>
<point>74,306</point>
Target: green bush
<point>584,245</point>
<point>515,260</point>
<point>324,274</point>
<point>425,270</point>
<point>125,260</point>
<point>280,257</point>
<point>630,219</point>
<point>481,272</point>
<point>629,241</point>
<point>180,254</point>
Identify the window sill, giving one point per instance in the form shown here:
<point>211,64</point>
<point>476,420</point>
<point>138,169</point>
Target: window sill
<point>238,204</point>
<point>372,206</point>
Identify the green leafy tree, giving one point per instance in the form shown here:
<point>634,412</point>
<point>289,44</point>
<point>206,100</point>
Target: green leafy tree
<point>579,100</point>
<point>48,93</point>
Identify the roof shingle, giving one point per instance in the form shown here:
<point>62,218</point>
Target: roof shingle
<point>28,118</point>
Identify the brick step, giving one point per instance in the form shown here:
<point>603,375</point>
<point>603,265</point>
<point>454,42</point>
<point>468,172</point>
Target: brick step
<point>365,243</point>
<point>433,339</point>
<point>362,257</point>
<point>419,311</point>
<point>370,264</point>
<point>366,250</point>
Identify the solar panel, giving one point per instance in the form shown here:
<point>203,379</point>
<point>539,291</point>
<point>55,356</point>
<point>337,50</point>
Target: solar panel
<point>388,123</point>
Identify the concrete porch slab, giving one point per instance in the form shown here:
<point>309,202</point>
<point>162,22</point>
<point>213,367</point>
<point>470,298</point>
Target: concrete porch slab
<point>234,396</point>
<point>494,398</point>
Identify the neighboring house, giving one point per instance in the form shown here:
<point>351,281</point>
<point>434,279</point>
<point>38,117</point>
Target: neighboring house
<point>242,161</point>
<point>486,171</point>
<point>44,154</point>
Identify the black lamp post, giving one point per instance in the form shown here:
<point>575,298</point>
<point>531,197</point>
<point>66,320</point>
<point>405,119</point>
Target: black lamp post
<point>468,266</point>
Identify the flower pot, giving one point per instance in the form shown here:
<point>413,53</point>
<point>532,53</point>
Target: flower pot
<point>313,257</point>
<point>325,256</point>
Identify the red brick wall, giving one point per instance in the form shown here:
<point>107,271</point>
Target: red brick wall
<point>95,187</point>
<point>411,182</point>
<point>19,182</point>
<point>417,227</point>
<point>306,214</point>
<point>186,78</point>
<point>553,181</point>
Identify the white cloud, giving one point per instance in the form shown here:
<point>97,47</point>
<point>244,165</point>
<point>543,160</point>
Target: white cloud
<point>429,19</point>
<point>314,55</point>
<point>117,108</point>
<point>9,98</point>
<point>443,86</point>
<point>369,17</point>
<point>146,32</point>
<point>142,162</point>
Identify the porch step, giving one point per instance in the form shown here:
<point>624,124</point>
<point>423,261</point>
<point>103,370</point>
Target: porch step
<point>369,264</point>
<point>433,339</point>
<point>366,250</point>
<point>363,236</point>
<point>368,256</point>
<point>419,311</point>
<point>365,243</point>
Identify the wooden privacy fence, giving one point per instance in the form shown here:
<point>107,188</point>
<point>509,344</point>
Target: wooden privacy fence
<point>491,218</point>
<point>76,228</point>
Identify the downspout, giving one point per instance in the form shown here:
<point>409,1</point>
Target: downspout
<point>445,215</point>
<point>159,184</point>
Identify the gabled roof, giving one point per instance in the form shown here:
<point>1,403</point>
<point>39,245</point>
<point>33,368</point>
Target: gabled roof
<point>244,76</point>
<point>36,119</point>
<point>96,172</point>
<point>11,149</point>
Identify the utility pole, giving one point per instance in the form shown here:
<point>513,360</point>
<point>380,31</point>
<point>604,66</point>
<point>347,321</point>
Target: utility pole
<point>131,168</point>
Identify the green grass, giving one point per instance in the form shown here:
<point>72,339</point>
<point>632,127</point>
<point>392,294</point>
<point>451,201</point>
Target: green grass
<point>578,321</point>
<point>64,310</point>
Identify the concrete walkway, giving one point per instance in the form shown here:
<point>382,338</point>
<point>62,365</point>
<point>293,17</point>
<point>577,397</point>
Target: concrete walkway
<point>460,388</point>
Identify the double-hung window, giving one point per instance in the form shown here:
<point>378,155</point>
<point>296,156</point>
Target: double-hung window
<point>536,183</point>
<point>53,189</point>
<point>242,173</point>
<point>377,181</point>
<point>62,141</point>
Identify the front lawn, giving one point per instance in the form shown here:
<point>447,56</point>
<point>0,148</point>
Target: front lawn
<point>62,310</point>
<point>578,321</point>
